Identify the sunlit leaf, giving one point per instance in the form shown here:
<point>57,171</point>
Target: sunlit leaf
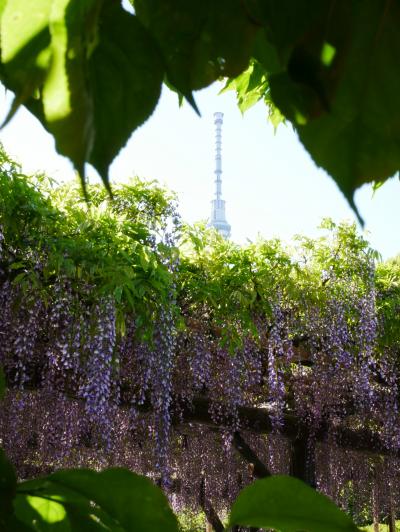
<point>68,107</point>
<point>50,511</point>
<point>131,500</point>
<point>25,51</point>
<point>250,86</point>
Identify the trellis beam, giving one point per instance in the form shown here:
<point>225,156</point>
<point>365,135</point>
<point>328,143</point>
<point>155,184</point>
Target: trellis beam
<point>257,420</point>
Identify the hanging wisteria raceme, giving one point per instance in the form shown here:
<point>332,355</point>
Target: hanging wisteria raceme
<point>7,293</point>
<point>161,392</point>
<point>25,334</point>
<point>279,356</point>
<point>199,354</point>
<point>332,363</point>
<point>59,355</point>
<point>97,386</point>
<point>367,330</point>
<point>252,364</point>
<point>162,358</point>
<point>387,401</point>
<point>136,372</point>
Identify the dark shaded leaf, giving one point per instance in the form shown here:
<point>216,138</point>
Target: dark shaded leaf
<point>339,82</point>
<point>358,141</point>
<point>8,485</point>
<point>126,73</point>
<point>132,500</point>
<point>8,479</point>
<point>201,40</point>
<point>34,503</point>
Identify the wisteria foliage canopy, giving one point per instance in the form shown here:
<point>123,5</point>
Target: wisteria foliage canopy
<point>118,321</point>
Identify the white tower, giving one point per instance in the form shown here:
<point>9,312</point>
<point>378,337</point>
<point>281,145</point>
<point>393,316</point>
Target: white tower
<point>218,218</point>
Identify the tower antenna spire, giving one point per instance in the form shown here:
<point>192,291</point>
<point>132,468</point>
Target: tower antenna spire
<point>218,217</point>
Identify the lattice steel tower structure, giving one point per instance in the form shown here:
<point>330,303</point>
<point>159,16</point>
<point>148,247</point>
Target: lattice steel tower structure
<point>218,217</point>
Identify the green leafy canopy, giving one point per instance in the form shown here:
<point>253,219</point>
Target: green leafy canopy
<point>92,72</point>
<point>107,244</point>
<point>114,245</point>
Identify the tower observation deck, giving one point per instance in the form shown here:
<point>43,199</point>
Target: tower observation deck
<point>218,217</point>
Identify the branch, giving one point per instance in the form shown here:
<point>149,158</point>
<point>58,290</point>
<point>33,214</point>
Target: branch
<point>257,420</point>
<point>211,514</point>
<point>259,469</point>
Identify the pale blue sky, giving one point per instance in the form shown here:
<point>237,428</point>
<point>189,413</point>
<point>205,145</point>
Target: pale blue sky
<point>270,184</point>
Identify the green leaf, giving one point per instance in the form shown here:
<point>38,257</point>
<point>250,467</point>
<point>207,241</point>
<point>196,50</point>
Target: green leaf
<point>2,6</point>
<point>104,81</point>
<point>118,293</point>
<point>200,40</point>
<point>8,479</point>
<point>25,51</point>
<point>250,86</point>
<point>349,141</point>
<point>50,511</point>
<point>84,500</point>
<point>338,82</point>
<point>41,514</point>
<point>132,500</point>
<point>287,504</point>
<point>126,73</point>
<point>67,100</point>
<point>49,506</point>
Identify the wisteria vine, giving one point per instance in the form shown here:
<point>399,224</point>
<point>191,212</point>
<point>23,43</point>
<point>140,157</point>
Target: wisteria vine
<point>97,377</point>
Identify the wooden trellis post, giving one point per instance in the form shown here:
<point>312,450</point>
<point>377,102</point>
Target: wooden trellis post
<point>213,520</point>
<point>375,508</point>
<point>302,458</point>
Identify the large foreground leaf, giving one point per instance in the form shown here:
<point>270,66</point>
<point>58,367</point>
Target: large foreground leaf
<point>67,99</point>
<point>201,40</point>
<point>358,141</point>
<point>338,82</point>
<point>89,71</point>
<point>8,485</point>
<point>287,504</point>
<point>25,47</point>
<point>85,500</point>
<point>126,73</point>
